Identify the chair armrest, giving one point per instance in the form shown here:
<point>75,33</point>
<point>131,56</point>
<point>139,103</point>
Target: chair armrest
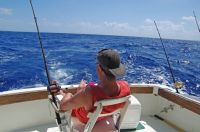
<point>107,102</point>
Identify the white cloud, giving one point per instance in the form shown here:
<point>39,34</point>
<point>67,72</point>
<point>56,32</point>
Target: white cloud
<point>118,27</point>
<point>169,25</point>
<point>168,29</point>
<point>5,11</point>
<point>106,27</point>
<point>162,25</point>
<point>188,18</point>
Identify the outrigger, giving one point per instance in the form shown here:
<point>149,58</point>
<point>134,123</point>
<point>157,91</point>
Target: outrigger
<point>196,21</point>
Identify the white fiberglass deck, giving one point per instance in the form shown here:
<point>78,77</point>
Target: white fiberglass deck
<point>148,124</point>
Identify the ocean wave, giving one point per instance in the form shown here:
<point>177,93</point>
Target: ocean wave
<point>72,57</point>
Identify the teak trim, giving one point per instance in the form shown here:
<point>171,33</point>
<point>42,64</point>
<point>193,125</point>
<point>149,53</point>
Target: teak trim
<point>142,90</point>
<point>184,102</point>
<point>36,95</point>
<point>26,96</point>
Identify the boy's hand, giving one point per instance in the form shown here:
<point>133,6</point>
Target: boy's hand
<point>82,86</point>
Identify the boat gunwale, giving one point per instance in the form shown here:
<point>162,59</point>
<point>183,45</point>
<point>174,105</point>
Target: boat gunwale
<point>183,101</point>
<point>22,95</point>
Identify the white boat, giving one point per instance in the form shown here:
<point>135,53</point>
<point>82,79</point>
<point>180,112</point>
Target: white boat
<point>28,110</point>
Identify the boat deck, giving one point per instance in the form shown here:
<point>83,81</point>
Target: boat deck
<point>147,124</point>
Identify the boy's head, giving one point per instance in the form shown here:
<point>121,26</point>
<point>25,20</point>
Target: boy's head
<point>109,61</point>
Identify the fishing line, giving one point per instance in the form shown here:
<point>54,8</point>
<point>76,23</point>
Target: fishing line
<point>196,21</point>
<point>45,63</point>
<point>176,84</point>
<point>41,45</point>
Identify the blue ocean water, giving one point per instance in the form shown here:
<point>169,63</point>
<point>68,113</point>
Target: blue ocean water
<point>72,57</point>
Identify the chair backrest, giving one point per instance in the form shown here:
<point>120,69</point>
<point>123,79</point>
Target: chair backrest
<point>97,113</point>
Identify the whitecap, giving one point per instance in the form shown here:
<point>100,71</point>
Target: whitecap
<point>6,59</point>
<point>59,73</point>
<point>185,62</point>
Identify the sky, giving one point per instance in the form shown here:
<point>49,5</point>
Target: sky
<point>174,18</point>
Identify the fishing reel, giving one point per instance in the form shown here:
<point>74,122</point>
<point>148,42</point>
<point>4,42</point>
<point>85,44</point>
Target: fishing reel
<point>54,88</point>
<point>178,84</point>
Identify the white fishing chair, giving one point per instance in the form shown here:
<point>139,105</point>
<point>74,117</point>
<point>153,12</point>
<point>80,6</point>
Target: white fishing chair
<point>113,120</point>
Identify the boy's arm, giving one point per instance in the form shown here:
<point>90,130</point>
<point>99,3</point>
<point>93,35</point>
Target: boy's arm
<point>82,98</point>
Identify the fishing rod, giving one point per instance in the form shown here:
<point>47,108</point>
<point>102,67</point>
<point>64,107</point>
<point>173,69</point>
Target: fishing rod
<point>58,118</point>
<point>196,21</point>
<point>176,84</point>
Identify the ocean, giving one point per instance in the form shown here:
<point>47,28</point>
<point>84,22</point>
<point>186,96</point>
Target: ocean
<point>72,57</point>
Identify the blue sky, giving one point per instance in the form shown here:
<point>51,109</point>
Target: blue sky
<point>113,17</point>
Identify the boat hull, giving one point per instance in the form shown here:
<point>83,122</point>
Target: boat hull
<point>28,109</point>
